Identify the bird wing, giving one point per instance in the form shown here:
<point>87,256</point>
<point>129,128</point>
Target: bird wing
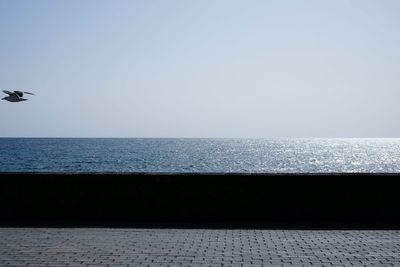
<point>19,93</point>
<point>29,93</point>
<point>8,92</point>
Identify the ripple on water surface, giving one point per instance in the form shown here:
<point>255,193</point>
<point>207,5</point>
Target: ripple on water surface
<point>199,155</point>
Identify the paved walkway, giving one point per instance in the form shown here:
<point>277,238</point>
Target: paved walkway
<point>170,247</point>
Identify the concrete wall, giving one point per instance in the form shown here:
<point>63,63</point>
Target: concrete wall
<point>201,200</point>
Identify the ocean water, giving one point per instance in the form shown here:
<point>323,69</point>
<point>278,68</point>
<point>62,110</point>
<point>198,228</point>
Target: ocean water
<point>199,155</point>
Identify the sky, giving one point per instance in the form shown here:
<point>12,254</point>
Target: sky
<point>206,68</point>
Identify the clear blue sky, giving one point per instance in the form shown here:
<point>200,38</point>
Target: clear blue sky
<point>207,68</point>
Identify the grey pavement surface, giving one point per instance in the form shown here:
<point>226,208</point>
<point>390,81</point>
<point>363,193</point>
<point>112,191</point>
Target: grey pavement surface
<point>177,247</point>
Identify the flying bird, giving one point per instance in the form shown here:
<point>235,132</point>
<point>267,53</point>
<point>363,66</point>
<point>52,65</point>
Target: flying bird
<point>16,96</point>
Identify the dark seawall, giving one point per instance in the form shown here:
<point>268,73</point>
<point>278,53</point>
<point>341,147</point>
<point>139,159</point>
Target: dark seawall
<point>316,201</point>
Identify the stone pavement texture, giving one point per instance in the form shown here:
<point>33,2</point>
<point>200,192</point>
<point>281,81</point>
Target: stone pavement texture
<point>177,247</point>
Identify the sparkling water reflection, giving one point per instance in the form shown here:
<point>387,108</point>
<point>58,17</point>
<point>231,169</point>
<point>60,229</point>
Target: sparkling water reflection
<point>199,155</point>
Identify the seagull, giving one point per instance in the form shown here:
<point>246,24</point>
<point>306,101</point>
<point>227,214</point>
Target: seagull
<point>15,96</point>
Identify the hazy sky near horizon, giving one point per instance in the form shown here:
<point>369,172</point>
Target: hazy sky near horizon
<point>207,68</point>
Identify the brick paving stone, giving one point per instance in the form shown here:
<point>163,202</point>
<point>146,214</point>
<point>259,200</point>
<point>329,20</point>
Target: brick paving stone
<point>191,248</point>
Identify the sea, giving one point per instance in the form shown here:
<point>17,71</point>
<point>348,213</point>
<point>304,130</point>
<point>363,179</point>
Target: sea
<point>199,155</point>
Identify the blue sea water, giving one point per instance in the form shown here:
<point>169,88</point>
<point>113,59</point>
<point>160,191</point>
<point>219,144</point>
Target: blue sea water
<point>199,155</point>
